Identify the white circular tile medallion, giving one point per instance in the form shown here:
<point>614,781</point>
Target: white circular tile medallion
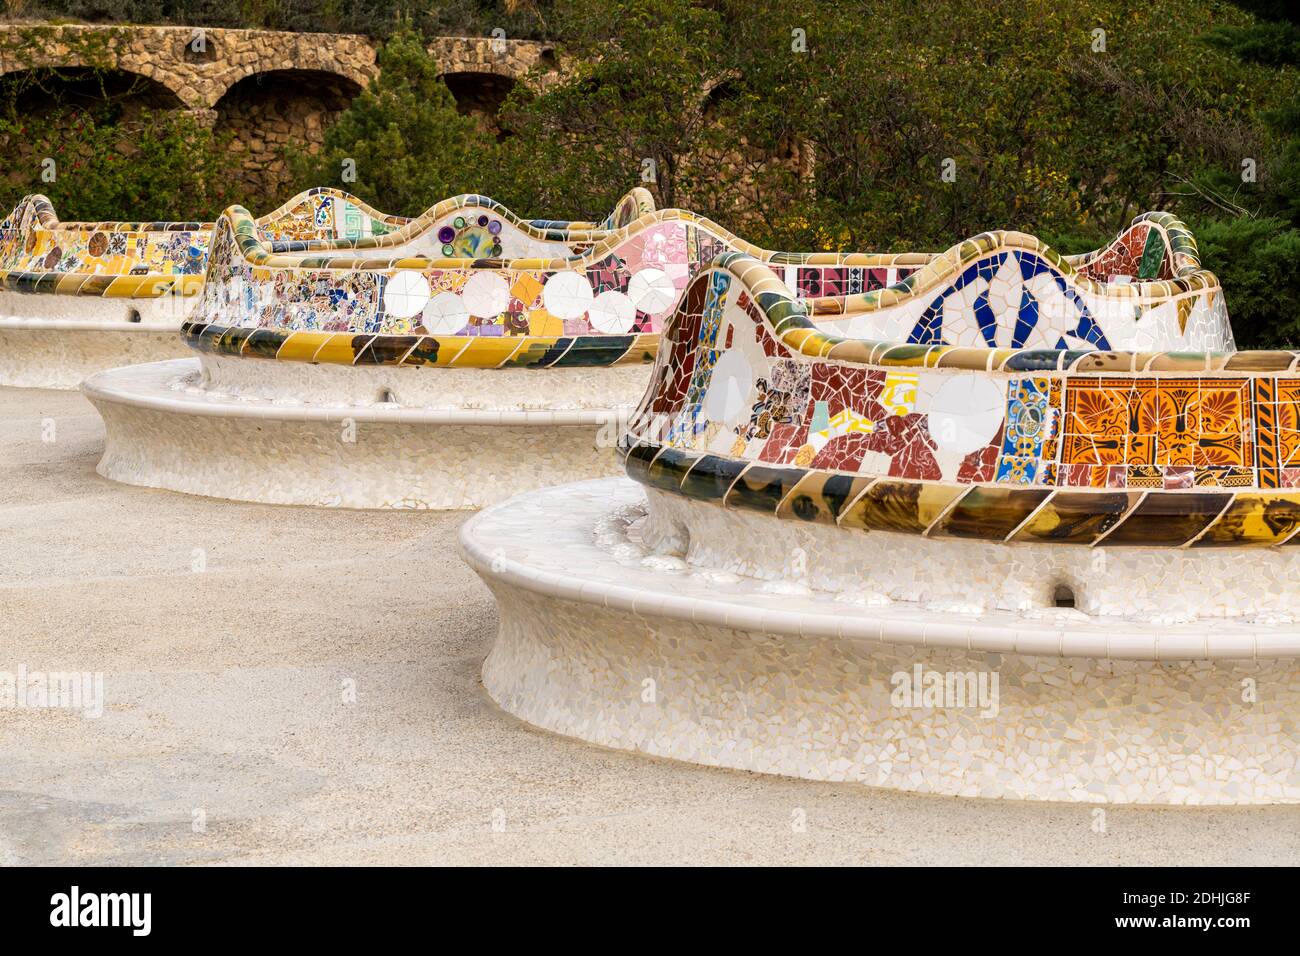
<point>445,314</point>
<point>965,413</point>
<point>612,312</point>
<point>567,295</point>
<point>728,388</point>
<point>405,294</point>
<point>486,295</point>
<point>652,291</point>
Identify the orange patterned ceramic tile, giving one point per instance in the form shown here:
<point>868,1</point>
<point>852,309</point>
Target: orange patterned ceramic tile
<point>1096,422</point>
<point>1287,422</point>
<point>1168,422</point>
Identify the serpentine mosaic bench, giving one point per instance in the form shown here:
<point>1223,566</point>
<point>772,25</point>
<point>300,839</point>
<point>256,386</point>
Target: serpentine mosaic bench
<point>383,377</point>
<point>1043,573</point>
<point>76,297</point>
<point>436,358</point>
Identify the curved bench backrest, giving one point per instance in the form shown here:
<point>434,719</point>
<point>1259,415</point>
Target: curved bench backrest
<point>40,253</point>
<point>617,289</point>
<point>1156,245</point>
<point>1004,289</point>
<point>471,226</point>
<point>637,203</point>
<point>753,405</point>
<point>1000,289</point>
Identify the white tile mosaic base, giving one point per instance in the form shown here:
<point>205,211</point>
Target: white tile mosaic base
<point>470,389</point>
<point>57,341</point>
<point>64,358</point>
<point>1146,585</point>
<point>163,431</point>
<point>603,640</point>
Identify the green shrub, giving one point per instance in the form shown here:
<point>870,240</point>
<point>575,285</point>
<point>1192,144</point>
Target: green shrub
<point>159,165</point>
<point>402,137</point>
<point>1258,262</point>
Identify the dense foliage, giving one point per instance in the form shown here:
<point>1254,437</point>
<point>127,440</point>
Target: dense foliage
<point>852,124</point>
<point>402,141</point>
<point>378,18</point>
<point>96,161</point>
<point>1251,238</point>
<point>867,126</point>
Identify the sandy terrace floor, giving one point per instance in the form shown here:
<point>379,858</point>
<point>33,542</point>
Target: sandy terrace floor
<point>227,633</point>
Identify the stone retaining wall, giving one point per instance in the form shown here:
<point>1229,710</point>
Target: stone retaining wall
<point>268,88</point>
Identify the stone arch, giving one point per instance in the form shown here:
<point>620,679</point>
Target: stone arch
<point>266,112</point>
<point>52,101</point>
<point>266,54</point>
<point>510,59</point>
<point>165,54</point>
<point>41,87</point>
<point>107,48</point>
<point>480,95</point>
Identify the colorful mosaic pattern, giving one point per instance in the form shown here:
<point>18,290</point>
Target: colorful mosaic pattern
<point>1145,291</point>
<point>40,254</point>
<point>623,284</point>
<point>1152,248</point>
<point>762,409</point>
<point>478,227</point>
<point>455,272</point>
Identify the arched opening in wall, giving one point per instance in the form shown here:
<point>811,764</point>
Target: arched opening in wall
<point>1063,596</point>
<point>267,112</point>
<point>59,111</point>
<point>480,95</point>
<point>717,99</point>
<point>108,94</point>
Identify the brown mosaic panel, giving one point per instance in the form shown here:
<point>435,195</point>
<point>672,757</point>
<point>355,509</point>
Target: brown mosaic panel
<point>1168,519</point>
<point>907,506</point>
<point>991,512</point>
<point>1077,517</point>
<point>1154,426</point>
<point>1266,432</point>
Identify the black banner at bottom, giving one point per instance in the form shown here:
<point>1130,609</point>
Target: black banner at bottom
<point>337,905</point>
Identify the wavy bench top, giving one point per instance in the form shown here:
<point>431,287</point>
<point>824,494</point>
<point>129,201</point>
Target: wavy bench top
<point>38,253</point>
<point>753,405</point>
<point>635,204</point>
<point>41,254</point>
<point>1146,285</point>
<point>599,306</point>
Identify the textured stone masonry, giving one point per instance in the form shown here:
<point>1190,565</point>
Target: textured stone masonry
<point>325,72</point>
<point>200,80</point>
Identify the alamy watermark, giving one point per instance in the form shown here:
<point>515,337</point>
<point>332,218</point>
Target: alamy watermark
<point>74,908</point>
<point>53,690</point>
<point>919,687</point>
